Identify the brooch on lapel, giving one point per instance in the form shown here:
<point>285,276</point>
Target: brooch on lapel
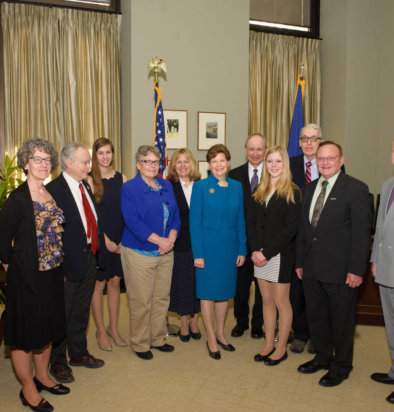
<point>211,190</point>
<point>333,198</point>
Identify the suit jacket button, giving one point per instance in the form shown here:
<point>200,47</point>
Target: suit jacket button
<point>315,238</point>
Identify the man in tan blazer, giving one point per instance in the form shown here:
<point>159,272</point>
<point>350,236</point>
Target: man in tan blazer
<point>382,267</point>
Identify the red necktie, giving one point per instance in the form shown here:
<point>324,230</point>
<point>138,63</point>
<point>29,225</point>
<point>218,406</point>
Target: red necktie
<point>308,173</point>
<point>90,221</point>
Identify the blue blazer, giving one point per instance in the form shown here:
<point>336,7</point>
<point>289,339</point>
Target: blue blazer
<point>204,213</point>
<point>142,211</point>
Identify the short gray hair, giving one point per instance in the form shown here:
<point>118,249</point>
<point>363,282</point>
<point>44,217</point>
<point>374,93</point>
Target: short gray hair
<point>257,134</point>
<point>28,148</point>
<point>313,126</point>
<point>144,150</point>
<point>68,152</point>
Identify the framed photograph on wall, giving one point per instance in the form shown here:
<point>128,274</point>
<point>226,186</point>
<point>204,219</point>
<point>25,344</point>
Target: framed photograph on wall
<point>203,168</point>
<point>175,123</point>
<point>211,129</point>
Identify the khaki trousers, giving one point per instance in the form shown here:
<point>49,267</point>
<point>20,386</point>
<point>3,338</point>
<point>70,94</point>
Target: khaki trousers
<point>148,282</point>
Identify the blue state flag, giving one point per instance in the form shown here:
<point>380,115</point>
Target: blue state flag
<point>159,134</point>
<point>297,123</point>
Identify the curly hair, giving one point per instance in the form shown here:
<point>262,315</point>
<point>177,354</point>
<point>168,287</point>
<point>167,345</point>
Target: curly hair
<point>144,150</point>
<point>194,173</point>
<point>29,147</point>
<point>215,150</point>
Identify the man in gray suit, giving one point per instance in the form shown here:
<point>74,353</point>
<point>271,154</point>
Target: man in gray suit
<point>382,267</point>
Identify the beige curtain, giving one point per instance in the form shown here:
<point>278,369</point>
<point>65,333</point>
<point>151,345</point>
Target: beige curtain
<point>61,76</point>
<point>274,64</point>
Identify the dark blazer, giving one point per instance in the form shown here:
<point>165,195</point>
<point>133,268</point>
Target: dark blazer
<point>74,235</point>
<point>340,243</point>
<point>241,174</point>
<point>18,225</point>
<point>183,243</point>
<point>298,172</point>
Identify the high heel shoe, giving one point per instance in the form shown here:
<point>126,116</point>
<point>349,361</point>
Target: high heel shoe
<point>106,348</point>
<point>58,389</point>
<point>119,342</point>
<point>43,405</point>
<point>262,358</point>
<point>184,338</point>
<point>195,336</point>
<point>213,355</point>
<point>229,347</point>
<point>274,362</point>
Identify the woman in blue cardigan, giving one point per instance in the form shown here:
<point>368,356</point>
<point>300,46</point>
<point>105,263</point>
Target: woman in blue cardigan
<point>152,223</point>
<point>217,231</point>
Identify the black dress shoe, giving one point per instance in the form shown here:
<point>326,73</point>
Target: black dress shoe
<point>274,362</point>
<point>229,347</point>
<point>58,389</point>
<point>382,378</point>
<point>147,355</point>
<point>184,338</point>
<point>256,333</point>
<point>164,348</point>
<point>43,405</point>
<point>262,358</point>
<point>195,336</point>
<point>213,355</point>
<point>311,367</point>
<point>332,379</point>
<point>390,398</point>
<point>237,331</point>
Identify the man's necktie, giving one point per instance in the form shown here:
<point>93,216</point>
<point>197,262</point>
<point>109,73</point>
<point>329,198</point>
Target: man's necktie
<point>255,181</point>
<point>319,204</point>
<point>391,200</point>
<point>90,221</point>
<point>308,173</point>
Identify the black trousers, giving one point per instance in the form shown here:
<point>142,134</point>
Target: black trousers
<point>77,297</point>
<point>298,304</point>
<point>241,301</point>
<point>331,310</point>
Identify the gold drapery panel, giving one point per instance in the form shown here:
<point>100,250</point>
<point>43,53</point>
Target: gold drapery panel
<point>61,76</point>
<point>274,63</point>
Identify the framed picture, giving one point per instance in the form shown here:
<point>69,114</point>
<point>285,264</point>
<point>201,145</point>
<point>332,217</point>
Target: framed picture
<point>175,123</point>
<point>211,129</point>
<point>203,168</point>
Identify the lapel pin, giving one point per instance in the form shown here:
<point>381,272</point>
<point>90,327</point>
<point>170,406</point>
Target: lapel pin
<point>211,190</point>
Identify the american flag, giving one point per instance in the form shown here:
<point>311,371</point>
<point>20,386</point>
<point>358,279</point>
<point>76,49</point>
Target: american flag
<point>159,134</point>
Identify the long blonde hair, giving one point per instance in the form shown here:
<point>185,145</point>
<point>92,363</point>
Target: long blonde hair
<point>194,173</point>
<point>284,186</point>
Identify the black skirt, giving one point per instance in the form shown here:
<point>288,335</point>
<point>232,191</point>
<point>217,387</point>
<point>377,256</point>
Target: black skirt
<point>183,286</point>
<point>32,320</point>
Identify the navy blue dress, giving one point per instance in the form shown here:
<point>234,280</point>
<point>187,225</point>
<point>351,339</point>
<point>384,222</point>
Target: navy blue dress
<point>112,224</point>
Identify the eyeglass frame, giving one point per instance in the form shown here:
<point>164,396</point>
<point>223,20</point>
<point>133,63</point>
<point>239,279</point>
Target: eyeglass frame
<point>150,162</point>
<point>313,139</point>
<point>38,160</point>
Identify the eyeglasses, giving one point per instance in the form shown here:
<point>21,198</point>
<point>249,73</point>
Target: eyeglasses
<point>38,160</point>
<point>313,139</point>
<point>328,158</point>
<point>151,162</point>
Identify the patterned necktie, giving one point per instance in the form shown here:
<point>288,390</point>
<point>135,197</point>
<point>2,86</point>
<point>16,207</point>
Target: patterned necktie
<point>90,221</point>
<point>391,200</point>
<point>308,173</point>
<point>255,181</point>
<point>319,204</point>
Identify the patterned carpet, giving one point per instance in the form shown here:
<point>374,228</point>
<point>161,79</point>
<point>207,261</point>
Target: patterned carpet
<point>188,380</point>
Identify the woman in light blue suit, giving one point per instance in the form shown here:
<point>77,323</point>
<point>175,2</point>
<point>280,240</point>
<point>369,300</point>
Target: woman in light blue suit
<point>217,231</point>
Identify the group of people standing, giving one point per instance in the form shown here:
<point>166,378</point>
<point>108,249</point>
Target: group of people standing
<point>187,245</point>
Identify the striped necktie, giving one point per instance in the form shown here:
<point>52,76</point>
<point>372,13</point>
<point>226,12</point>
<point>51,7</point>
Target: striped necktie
<point>308,173</point>
<point>255,181</point>
<point>319,204</point>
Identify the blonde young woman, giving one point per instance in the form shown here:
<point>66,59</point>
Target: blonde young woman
<point>183,173</point>
<point>106,184</point>
<point>272,227</point>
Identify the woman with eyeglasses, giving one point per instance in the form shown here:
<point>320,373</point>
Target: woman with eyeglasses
<point>152,224</point>
<point>106,184</point>
<point>31,251</point>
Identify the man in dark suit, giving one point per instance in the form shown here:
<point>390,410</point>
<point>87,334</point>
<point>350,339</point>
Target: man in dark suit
<point>304,170</point>
<point>80,244</point>
<point>249,175</point>
<point>331,257</point>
